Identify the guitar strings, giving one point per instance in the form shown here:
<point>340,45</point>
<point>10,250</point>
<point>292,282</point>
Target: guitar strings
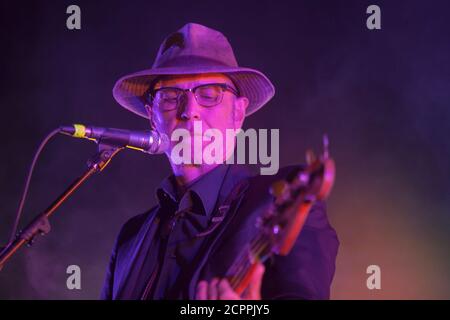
<point>241,262</point>
<point>243,258</point>
<point>241,265</point>
<point>243,268</point>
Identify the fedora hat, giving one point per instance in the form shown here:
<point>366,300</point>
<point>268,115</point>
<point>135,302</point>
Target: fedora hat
<point>194,49</point>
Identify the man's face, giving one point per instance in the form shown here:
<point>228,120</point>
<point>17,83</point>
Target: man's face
<point>228,114</point>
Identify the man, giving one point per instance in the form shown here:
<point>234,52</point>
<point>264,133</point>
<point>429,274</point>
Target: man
<point>206,213</point>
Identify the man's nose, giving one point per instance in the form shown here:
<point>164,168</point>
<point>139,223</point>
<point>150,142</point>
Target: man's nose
<point>189,107</point>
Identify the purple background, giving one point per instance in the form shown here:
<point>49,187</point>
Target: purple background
<point>382,96</point>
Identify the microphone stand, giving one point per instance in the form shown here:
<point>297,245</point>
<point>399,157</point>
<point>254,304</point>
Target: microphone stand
<point>41,225</point>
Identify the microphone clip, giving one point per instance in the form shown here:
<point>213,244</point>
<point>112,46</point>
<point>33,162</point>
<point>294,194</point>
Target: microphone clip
<point>104,155</point>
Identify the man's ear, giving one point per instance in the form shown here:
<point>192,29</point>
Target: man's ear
<point>240,106</point>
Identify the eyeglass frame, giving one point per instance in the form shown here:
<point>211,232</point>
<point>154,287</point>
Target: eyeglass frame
<point>224,86</point>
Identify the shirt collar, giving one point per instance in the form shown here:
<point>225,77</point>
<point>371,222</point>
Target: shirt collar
<point>202,194</point>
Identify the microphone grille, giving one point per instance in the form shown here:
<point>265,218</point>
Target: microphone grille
<point>162,143</point>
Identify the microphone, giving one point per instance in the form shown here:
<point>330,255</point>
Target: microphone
<point>146,141</point>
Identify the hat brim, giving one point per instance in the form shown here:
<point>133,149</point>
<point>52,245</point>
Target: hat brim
<point>253,84</point>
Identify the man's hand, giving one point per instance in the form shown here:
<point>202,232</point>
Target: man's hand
<point>220,289</point>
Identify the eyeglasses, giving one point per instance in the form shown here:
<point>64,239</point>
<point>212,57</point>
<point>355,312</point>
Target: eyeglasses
<point>206,95</point>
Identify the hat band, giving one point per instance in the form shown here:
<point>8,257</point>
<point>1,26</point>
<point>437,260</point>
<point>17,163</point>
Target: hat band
<point>191,61</point>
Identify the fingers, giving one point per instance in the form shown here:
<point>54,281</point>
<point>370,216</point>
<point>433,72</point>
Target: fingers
<point>226,292</point>
<point>215,290</point>
<point>202,291</point>
<point>212,289</point>
<point>222,290</point>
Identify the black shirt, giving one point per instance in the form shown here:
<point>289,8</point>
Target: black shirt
<point>183,213</point>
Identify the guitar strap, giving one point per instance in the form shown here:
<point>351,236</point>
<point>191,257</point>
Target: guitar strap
<point>223,209</point>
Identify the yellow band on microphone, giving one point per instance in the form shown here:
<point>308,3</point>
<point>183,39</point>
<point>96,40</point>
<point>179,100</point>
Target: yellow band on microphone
<point>80,131</point>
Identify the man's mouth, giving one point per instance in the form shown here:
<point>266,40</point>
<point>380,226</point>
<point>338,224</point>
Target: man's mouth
<point>197,133</point>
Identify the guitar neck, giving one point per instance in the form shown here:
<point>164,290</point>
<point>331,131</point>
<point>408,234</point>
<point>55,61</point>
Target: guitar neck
<point>241,271</point>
